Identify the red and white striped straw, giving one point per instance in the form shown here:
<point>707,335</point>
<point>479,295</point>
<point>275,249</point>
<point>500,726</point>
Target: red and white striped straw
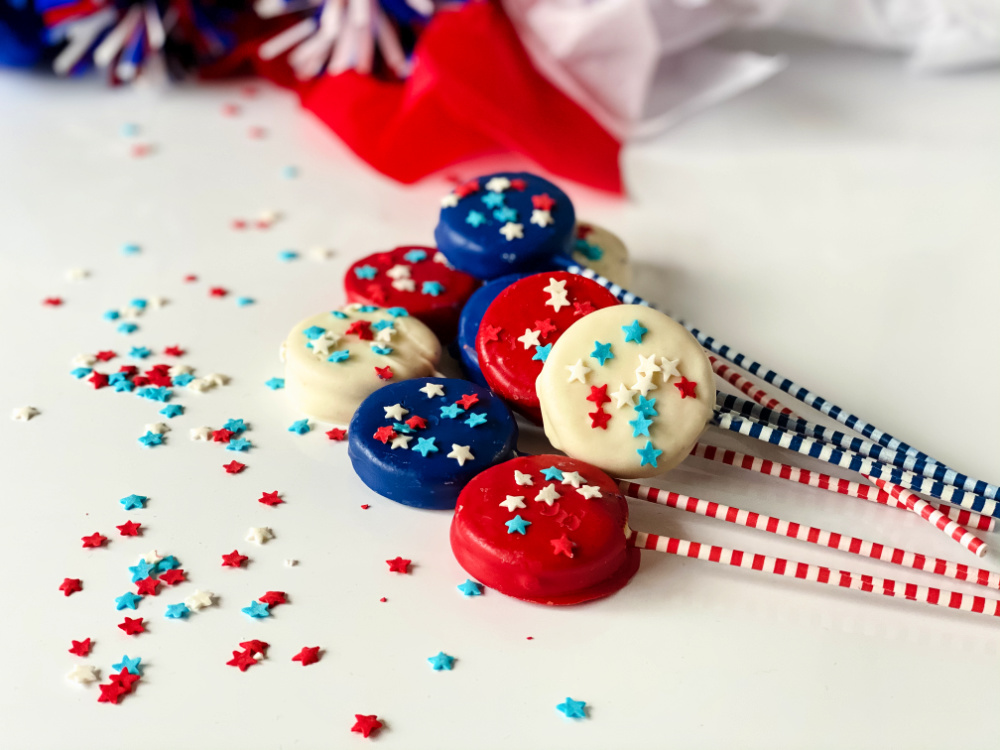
<point>832,484</point>
<point>961,535</point>
<point>817,574</point>
<point>745,386</point>
<point>813,535</point>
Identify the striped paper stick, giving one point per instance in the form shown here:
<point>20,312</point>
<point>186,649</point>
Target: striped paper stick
<point>817,574</point>
<point>746,386</point>
<point>813,535</point>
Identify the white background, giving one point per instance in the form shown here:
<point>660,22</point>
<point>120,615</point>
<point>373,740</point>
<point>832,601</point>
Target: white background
<point>839,223</point>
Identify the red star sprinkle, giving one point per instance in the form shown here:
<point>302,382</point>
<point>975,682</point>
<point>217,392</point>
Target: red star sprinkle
<point>417,423</point>
<point>583,231</point>
<point>174,351</point>
<point>230,110</point>
<point>398,565</point>
<point>337,434</point>
<point>132,626</point>
<point>242,659</point>
<point>94,540</point>
<point>140,149</point>
<point>52,301</point>
<point>376,293</point>
<point>140,380</point>
<point>270,499</point>
<point>255,646</point>
<point>518,184</point>
<point>129,528</point>
<point>384,373</point>
<point>466,188</point>
<point>362,329</point>
<point>173,577</point>
<point>545,327</point>
<point>71,586</point>
<point>582,308</point>
<point>383,600</point>
<point>308,655</point>
<point>542,202</point>
<point>599,419</point>
<point>491,333</point>
<point>384,434</point>
<point>568,520</point>
<point>80,648</point>
<point>239,224</point>
<point>148,586</point>
<point>110,693</point>
<point>218,291</point>
<point>234,467</point>
<point>234,560</point>
<point>124,679</point>
<point>191,277</point>
<point>128,369</point>
<point>273,598</point>
<point>686,387</point>
<point>157,378</point>
<point>222,436</point>
<point>106,355</point>
<point>468,400</point>
<point>562,545</point>
<point>366,506</point>
<point>365,725</point>
<point>262,224</point>
<point>98,379</point>
<point>599,395</point>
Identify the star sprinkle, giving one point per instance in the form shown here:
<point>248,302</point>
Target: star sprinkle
<point>274,598</point>
<point>562,546</point>
<point>475,218</point>
<point>234,467</point>
<point>365,725</point>
<point>396,411</point>
<point>365,272</point>
<point>151,439</point>
<point>451,411</point>
<point>132,626</point>
<point>129,665</point>
<point>523,479</point>
<point>505,213</point>
<point>308,655</point>
<point>686,387</point>
<point>517,525</point>
<point>256,610</point>
<point>142,569</point>
<point>572,478</point>
<point>548,494</point>
<point>94,540</point>
<point>24,413</point>
<point>589,491</point>
<point>80,648</point>
<point>384,373</point>
<point>242,660</point>
<point>199,600</point>
<point>417,423</point>
<point>336,433</point>
<point>275,384</point>
<point>270,499</point>
<point>384,434</point>
<point>467,400</point>
<point>644,384</point>
<point>552,473</point>
<point>82,674</point>
<point>634,332</point>
<point>300,427</point>
<point>201,433</point>
<point>432,389</point>
<point>239,444</point>
<point>173,577</point>
<point>573,709</point>
<point>460,453</point>
<point>110,693</point>
<point>512,231</point>
<point>530,338</point>
<point>646,407</point>
<point>542,352</point>
<point>398,565</point>
<point>148,586</point>
<point>259,534</point>
<point>648,454</point>
<point>647,365</point>
<point>541,218</point>
<point>475,420</point>
<point>602,352</point>
<point>415,256</point>
<point>640,426</point>
<point>401,441</point>
<point>97,379</point>
<point>441,661</point>
<point>670,368</point>
<point>425,446</point>
<point>578,372</point>
<point>139,352</point>
<point>543,202</point>
<point>131,502</point>
<point>513,502</point>
<point>432,288</point>
<point>341,355</point>
<point>470,588</point>
<point>128,600</point>
<point>449,201</point>
<point>234,560</point>
<point>498,184</point>
<point>172,410</point>
<point>129,528</point>
<point>178,611</point>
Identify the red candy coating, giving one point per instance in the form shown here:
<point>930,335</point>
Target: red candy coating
<point>399,281</point>
<point>572,551</point>
<point>521,309</point>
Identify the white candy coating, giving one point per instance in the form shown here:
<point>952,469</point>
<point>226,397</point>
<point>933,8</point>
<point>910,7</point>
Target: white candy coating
<point>613,263</point>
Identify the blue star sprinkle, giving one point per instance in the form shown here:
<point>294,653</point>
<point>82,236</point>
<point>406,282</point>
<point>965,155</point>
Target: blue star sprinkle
<point>573,709</point>
<point>123,385</point>
<point>235,425</point>
<point>341,355</point>
<point>128,129</point>
<point>275,384</point>
<point>172,410</point>
<point>367,308</point>
<point>648,454</point>
<point>158,393</point>
<point>130,248</point>
<point>415,256</point>
<point>602,352</point>
<point>542,352</point>
<point>128,600</point>
<point>313,332</point>
<point>646,407</point>
<point>80,372</point>
<point>290,172</point>
<point>244,301</point>
<point>475,420</point>
<point>588,250</point>
<point>470,588</point>
<point>141,570</point>
<point>168,563</point>
<point>402,427</point>
<point>433,288</point>
<point>475,218</point>
<point>139,352</point>
<point>339,315</point>
<point>425,446</point>
<point>640,426</point>
<point>134,501</point>
<point>365,272</point>
<point>128,328</point>
<point>493,200</point>
<point>151,439</point>
<point>140,303</point>
<point>257,609</point>
<point>517,525</point>
<point>634,332</point>
<point>552,474</point>
<point>398,312</point>
<point>380,325</point>
<point>287,255</point>
<point>240,444</point>
<point>385,351</point>
<point>111,315</point>
<point>183,379</point>
<point>441,661</point>
<point>505,213</point>
<point>301,427</point>
<point>451,411</point>
<point>177,611</point>
<point>132,665</point>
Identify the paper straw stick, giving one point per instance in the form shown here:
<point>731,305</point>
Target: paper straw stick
<point>817,574</point>
<point>811,534</point>
<point>832,484</point>
<point>736,380</point>
<point>849,460</point>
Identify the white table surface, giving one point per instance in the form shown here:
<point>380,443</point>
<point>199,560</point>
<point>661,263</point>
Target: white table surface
<point>839,223</point>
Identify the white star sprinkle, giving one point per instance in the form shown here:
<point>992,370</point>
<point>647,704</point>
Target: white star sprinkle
<point>404,285</point>
<point>541,218</point>
<point>670,368</point>
<point>530,338</point>
<point>396,411</point>
<point>558,301</point>
<point>201,433</point>
<point>498,184</point>
<point>158,428</point>
<point>217,378</point>
<point>512,231</point>
<point>321,253</point>
<point>398,271</point>
<point>77,274</point>
<point>573,478</point>
<point>199,600</point>
<point>432,390</point>
<point>578,372</point>
<point>157,302</point>
<point>624,396</point>
<point>441,258</point>
<point>589,491</point>
<point>522,479</point>
<point>385,335</point>
<point>449,201</point>
<point>82,674</point>
<point>644,384</point>
<point>460,453</point>
<point>130,312</point>
<point>513,502</point>
<point>291,563</point>
<point>24,413</point>
<point>547,494</point>
<point>200,385</point>
<point>152,557</point>
<point>555,287</point>
<point>180,370</point>
<point>259,534</point>
<point>323,345</point>
<point>647,365</point>
<point>401,441</point>
<point>84,360</point>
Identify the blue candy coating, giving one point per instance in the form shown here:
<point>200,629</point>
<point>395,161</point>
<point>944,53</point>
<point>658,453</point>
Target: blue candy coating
<point>433,481</point>
<point>472,316</point>
<point>482,251</point>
